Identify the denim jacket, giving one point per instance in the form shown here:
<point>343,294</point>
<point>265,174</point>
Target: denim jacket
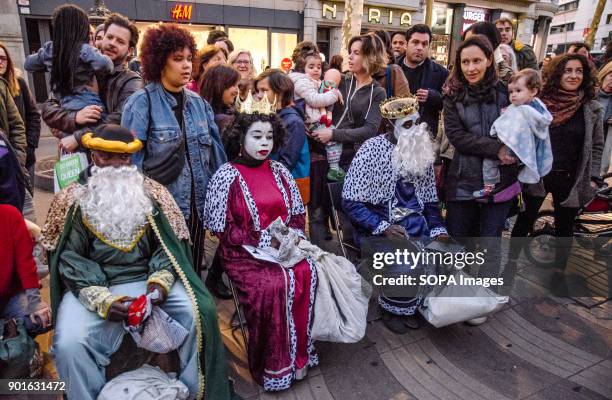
<point>206,152</point>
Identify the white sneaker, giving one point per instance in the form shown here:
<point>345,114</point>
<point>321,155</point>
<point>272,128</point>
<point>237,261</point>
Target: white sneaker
<point>476,321</point>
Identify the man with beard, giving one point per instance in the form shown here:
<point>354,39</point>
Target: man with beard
<point>113,236</point>
<point>120,38</point>
<point>425,76</point>
<point>390,191</point>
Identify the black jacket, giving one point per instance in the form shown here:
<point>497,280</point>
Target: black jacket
<point>467,125</point>
<point>362,118</point>
<point>433,78</point>
<point>31,118</point>
<point>114,91</point>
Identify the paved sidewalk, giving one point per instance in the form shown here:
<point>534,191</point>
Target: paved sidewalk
<point>535,348</point>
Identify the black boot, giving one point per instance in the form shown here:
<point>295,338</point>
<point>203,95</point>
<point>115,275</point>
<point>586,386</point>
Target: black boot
<point>214,280</point>
<point>412,321</point>
<point>394,323</point>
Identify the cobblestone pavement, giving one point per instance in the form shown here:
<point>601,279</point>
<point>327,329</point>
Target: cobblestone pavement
<point>535,348</point>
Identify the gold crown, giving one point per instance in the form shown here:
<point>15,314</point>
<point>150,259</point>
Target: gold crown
<point>252,106</point>
<point>399,107</point>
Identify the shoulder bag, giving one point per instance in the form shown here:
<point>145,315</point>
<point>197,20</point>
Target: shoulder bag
<point>166,168</point>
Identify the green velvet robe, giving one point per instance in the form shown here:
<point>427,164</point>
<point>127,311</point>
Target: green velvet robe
<point>212,354</point>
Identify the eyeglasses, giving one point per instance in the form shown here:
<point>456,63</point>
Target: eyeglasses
<point>3,59</point>
<point>242,62</point>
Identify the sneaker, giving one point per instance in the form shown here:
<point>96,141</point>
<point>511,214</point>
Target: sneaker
<point>476,321</point>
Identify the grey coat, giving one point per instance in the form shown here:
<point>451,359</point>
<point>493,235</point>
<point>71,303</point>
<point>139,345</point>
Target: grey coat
<point>590,160</point>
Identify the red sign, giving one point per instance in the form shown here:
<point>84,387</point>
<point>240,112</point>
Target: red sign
<point>286,64</point>
<point>181,11</point>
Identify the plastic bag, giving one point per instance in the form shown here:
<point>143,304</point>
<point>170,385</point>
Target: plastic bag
<point>144,383</point>
<point>158,333</point>
<point>341,304</point>
<point>449,304</point>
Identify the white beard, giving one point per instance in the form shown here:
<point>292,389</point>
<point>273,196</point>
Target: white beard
<point>115,203</point>
<point>414,152</point>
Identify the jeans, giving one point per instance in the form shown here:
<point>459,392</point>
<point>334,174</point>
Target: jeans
<point>82,99</point>
<point>83,342</point>
<point>479,225</point>
<point>17,308</point>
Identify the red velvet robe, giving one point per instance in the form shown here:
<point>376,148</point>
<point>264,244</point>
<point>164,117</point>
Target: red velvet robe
<point>277,302</point>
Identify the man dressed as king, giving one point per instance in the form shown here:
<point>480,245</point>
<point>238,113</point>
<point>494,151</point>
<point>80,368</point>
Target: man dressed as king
<point>111,237</point>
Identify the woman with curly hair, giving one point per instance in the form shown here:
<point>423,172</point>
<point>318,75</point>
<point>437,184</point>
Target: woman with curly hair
<point>182,147</point>
<point>577,139</point>
<point>246,196</point>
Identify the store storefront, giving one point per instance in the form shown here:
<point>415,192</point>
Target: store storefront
<point>442,25</point>
<point>452,19</point>
<point>269,33</point>
<point>323,20</point>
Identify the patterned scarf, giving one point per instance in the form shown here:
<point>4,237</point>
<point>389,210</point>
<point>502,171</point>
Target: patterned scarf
<point>563,105</point>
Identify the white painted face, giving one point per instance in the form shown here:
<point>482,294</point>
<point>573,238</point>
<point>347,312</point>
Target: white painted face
<point>406,124</point>
<point>259,141</point>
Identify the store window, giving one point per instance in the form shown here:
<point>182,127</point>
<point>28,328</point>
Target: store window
<point>323,36</point>
<point>254,40</point>
<point>562,28</point>
<point>442,24</point>
<point>282,45</point>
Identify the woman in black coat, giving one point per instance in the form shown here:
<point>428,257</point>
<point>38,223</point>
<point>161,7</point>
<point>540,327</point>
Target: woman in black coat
<point>474,98</point>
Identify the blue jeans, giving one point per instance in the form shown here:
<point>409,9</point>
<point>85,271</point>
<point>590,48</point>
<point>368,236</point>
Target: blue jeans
<point>17,308</point>
<point>83,342</point>
<point>82,99</point>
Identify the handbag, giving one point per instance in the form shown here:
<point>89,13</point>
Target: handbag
<point>453,303</point>
<point>20,356</point>
<point>167,168</point>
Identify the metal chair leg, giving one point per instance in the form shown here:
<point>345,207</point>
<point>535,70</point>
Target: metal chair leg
<point>238,313</point>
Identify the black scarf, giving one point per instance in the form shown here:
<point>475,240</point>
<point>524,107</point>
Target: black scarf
<point>248,161</point>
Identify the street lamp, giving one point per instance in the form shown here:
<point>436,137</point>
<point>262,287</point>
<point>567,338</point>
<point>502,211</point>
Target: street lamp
<point>98,13</point>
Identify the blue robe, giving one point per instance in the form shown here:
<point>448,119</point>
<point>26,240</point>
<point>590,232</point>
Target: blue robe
<point>375,197</point>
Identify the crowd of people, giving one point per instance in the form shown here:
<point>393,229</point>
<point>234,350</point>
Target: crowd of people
<point>183,141</point>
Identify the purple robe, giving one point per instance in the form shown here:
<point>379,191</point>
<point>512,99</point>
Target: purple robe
<point>277,302</point>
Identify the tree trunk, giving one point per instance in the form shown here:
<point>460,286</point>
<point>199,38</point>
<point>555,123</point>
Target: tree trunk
<point>595,23</point>
<point>351,26</point>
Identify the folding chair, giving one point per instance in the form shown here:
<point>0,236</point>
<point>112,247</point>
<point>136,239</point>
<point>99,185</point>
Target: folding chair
<point>335,195</point>
<point>238,315</point>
